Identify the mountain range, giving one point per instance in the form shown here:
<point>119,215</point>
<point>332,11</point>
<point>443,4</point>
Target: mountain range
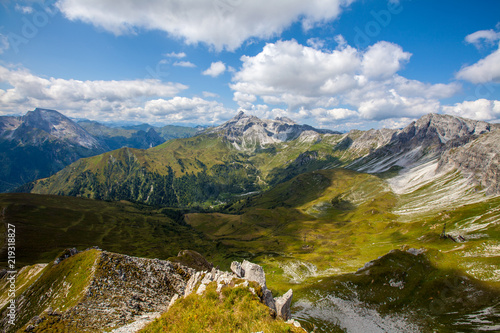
<point>43,142</point>
<point>380,230</point>
<point>246,155</point>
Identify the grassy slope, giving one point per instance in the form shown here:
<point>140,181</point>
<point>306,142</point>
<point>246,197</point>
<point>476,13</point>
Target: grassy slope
<point>234,310</point>
<point>437,299</point>
<point>340,219</point>
<point>271,165</point>
<point>298,220</point>
<point>58,286</point>
<point>45,225</point>
<point>179,154</point>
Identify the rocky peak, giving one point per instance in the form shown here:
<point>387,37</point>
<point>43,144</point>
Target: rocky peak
<point>449,127</point>
<point>56,125</point>
<point>247,132</point>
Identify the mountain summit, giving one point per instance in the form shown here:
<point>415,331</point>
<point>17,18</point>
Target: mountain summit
<point>57,126</point>
<point>247,132</point>
<point>39,144</point>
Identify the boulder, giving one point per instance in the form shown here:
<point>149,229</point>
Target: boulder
<point>283,305</point>
<point>236,269</point>
<point>254,272</point>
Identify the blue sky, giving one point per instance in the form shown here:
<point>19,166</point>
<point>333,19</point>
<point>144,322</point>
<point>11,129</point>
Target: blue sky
<point>337,64</point>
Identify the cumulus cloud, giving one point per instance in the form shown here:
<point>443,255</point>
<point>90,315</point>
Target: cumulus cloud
<point>481,109</point>
<point>383,60</point>
<point>187,64</point>
<point>488,68</point>
<point>220,23</point>
<point>345,81</point>
<point>215,69</point>
<point>179,55</point>
<point>488,37</point>
<point>483,71</point>
<point>187,110</point>
<point>132,100</point>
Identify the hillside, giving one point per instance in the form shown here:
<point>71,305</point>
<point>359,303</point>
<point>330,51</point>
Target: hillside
<point>75,222</point>
<point>311,208</point>
<point>96,291</point>
<point>247,155</point>
<point>43,142</point>
<point>70,294</point>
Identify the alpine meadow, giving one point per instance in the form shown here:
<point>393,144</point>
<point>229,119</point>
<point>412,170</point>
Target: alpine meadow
<point>249,166</point>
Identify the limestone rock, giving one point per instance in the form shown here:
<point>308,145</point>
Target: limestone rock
<point>268,299</point>
<point>236,269</point>
<point>254,272</point>
<point>283,305</point>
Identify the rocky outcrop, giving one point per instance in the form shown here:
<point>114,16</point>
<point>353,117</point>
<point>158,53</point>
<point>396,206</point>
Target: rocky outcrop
<point>479,160</point>
<point>254,272</point>
<point>114,291</point>
<point>283,305</point>
<point>248,271</point>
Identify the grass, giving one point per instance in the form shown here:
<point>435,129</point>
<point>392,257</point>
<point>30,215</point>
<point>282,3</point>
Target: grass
<point>46,225</point>
<point>235,309</point>
<point>58,286</point>
<point>319,225</point>
<point>436,299</point>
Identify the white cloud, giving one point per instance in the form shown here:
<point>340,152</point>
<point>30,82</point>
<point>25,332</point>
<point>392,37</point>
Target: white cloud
<point>383,60</point>
<point>489,37</point>
<point>184,64</point>
<point>481,109</point>
<point>488,68</point>
<point>215,69</point>
<point>219,23</point>
<point>210,94</point>
<point>483,71</point>
<point>345,81</point>
<point>175,55</point>
<point>187,110</point>
<point>286,67</point>
<point>4,43</point>
<point>316,43</point>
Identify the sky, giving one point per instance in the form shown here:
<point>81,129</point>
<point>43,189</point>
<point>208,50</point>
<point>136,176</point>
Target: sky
<point>337,64</point>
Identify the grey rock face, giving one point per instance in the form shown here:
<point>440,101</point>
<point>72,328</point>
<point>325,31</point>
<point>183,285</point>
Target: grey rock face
<point>268,299</point>
<point>236,269</point>
<point>479,160</point>
<point>254,272</point>
<point>249,132</point>
<point>283,305</point>
<point>425,139</point>
<point>248,271</point>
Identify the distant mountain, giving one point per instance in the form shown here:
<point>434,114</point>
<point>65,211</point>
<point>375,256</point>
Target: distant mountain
<point>142,136</point>
<point>247,154</point>
<point>43,142</point>
<point>249,132</point>
<point>117,137</point>
<point>39,144</point>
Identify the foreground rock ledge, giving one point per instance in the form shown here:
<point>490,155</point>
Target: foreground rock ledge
<point>247,271</point>
<point>121,293</point>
